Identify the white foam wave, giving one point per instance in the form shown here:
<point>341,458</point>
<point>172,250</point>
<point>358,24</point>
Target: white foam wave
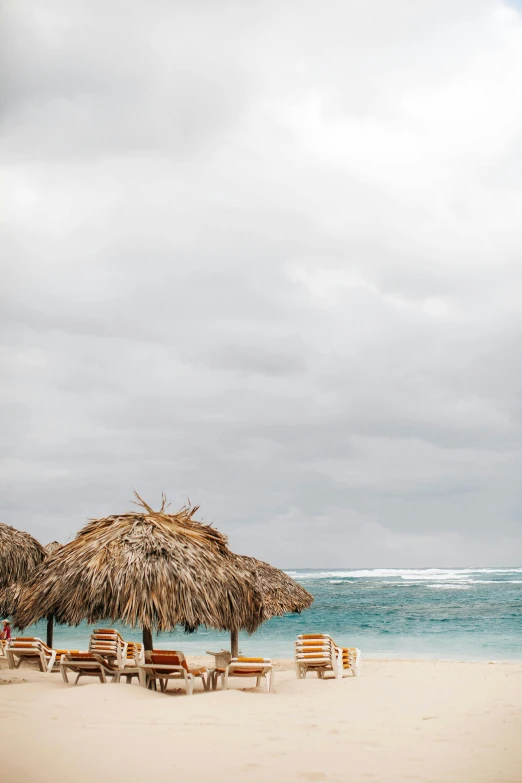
<point>407,574</point>
<point>449,587</point>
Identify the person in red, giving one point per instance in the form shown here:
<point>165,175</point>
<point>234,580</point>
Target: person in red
<point>6,632</point>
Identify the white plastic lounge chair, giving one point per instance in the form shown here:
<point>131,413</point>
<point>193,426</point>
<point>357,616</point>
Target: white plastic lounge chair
<point>135,654</point>
<point>109,643</point>
<point>349,659</point>
<point>319,653</point>
<point>164,665</point>
<point>24,648</point>
<point>260,668</point>
<point>88,665</point>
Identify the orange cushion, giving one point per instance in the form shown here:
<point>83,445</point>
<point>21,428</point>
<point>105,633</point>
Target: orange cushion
<point>171,660</point>
<point>174,658</point>
<point>252,660</point>
<point>312,636</point>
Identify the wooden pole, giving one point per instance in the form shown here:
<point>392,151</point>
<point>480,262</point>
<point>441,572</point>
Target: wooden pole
<point>50,625</point>
<point>234,643</point>
<point>147,639</point>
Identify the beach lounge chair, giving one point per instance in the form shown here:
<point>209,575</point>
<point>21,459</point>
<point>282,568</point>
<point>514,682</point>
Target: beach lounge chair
<point>86,664</point>
<point>260,668</point>
<point>110,644</point>
<point>164,665</point>
<point>135,654</point>
<point>319,653</point>
<point>25,648</point>
<point>34,649</point>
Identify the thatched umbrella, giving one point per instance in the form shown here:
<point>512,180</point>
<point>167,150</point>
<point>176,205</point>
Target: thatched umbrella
<point>52,548</point>
<point>10,595</point>
<point>279,592</point>
<point>20,553</point>
<point>145,568</point>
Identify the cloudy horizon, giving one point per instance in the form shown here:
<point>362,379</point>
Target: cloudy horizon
<point>266,256</point>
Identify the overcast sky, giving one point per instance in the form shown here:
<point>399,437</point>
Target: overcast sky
<point>266,255</point>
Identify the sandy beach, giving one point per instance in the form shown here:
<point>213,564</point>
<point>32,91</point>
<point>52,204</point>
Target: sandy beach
<point>422,721</point>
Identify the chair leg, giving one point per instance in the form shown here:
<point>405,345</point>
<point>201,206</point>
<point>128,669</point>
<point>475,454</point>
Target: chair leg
<point>51,661</point>
<point>63,670</point>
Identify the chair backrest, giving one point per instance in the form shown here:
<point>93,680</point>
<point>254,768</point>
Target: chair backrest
<point>167,657</point>
<point>106,641</point>
<point>135,652</point>
<point>107,636</point>
<point>25,641</point>
<point>319,647</point>
<point>107,632</point>
<point>30,646</point>
<point>29,642</point>
<point>349,657</point>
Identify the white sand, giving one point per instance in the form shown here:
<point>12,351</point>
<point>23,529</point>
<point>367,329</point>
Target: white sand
<point>400,721</point>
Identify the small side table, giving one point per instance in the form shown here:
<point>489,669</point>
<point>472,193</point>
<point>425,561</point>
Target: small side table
<point>222,659</point>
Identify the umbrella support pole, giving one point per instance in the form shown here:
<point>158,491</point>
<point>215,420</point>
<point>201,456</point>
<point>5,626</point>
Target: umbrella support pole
<point>50,624</point>
<point>234,643</point>
<point>147,639</point>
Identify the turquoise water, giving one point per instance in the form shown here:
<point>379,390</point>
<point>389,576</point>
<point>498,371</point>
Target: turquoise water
<point>461,614</point>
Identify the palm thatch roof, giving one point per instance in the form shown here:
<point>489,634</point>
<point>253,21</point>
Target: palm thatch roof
<point>51,548</point>
<point>145,568</point>
<point>10,594</point>
<point>20,553</point>
<point>280,593</point>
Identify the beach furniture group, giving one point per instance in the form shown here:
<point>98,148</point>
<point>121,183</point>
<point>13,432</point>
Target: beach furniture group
<point>227,667</point>
<point>31,648</point>
<point>163,665</point>
<point>319,653</point>
<point>110,658</point>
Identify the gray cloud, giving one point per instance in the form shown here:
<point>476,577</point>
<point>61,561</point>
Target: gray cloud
<point>267,258</point>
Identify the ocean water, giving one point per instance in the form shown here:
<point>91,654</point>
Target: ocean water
<point>431,613</point>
